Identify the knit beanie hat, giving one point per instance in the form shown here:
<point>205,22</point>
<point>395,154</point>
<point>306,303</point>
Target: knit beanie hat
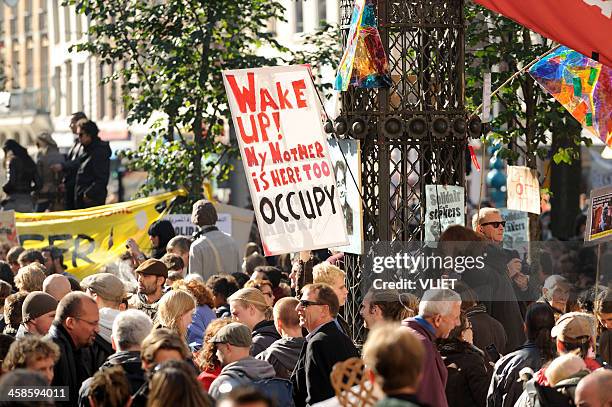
<point>37,303</point>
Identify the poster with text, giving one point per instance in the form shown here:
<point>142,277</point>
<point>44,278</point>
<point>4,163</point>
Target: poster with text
<point>523,190</point>
<point>346,158</point>
<point>279,125</point>
<point>599,217</point>
<point>8,229</point>
<point>516,231</point>
<point>445,205</point>
<point>183,226</point>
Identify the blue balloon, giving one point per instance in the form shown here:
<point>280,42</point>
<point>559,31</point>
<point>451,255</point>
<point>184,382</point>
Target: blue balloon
<point>496,163</point>
<point>496,179</point>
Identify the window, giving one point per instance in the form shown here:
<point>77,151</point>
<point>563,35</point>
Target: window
<point>55,12</point>
<point>69,105</point>
<point>322,12</point>
<point>57,90</point>
<point>299,17</point>
<point>44,77</point>
<point>29,67</point>
<point>79,26</point>
<point>66,22</point>
<point>15,69</point>
<point>101,92</point>
<point>80,75</point>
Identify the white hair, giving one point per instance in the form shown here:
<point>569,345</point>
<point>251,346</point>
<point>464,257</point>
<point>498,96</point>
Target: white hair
<point>552,281</point>
<point>130,328</point>
<point>481,214</point>
<point>438,301</point>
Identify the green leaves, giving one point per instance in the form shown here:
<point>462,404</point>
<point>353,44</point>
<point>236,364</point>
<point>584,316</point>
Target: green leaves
<point>528,116</point>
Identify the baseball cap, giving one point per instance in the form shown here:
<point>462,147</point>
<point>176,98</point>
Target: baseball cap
<point>575,327</point>
<point>106,285</point>
<point>36,304</point>
<point>152,267</point>
<point>235,333</point>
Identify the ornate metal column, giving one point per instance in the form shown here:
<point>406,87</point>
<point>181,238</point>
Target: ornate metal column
<point>413,133</point>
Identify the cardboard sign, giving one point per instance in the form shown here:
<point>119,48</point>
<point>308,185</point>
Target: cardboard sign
<point>523,190</point>
<point>8,229</point>
<point>516,232</point>
<point>183,226</point>
<point>278,120</point>
<point>445,205</point>
<point>599,218</point>
<point>345,152</point>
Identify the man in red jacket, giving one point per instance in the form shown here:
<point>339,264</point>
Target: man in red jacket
<point>439,312</point>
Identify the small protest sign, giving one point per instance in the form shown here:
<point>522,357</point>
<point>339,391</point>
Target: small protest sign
<point>346,158</point>
<point>8,229</point>
<point>523,190</point>
<point>599,218</point>
<point>278,120</point>
<point>445,205</point>
<point>516,231</point>
<point>183,226</point>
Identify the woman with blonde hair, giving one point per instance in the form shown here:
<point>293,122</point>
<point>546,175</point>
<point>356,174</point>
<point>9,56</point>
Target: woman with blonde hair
<point>249,306</point>
<point>203,314</point>
<point>175,311</point>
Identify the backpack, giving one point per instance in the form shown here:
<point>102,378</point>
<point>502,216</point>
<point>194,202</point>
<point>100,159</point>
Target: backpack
<point>561,395</point>
<point>279,390</point>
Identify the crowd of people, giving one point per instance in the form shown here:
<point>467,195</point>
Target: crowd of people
<point>55,181</point>
<point>190,323</point>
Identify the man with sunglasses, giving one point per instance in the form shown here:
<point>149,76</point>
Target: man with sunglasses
<point>507,305</point>
<point>74,330</point>
<point>325,345</point>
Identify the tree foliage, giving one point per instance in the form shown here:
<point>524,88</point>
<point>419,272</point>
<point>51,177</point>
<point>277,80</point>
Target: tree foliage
<point>169,57</point>
<point>528,115</point>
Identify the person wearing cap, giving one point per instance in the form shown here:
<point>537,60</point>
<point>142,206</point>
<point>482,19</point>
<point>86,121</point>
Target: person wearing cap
<point>48,197</point>
<point>109,293</point>
<point>212,251</point>
<point>574,333</point>
<point>233,342</point>
<point>152,274</point>
<point>37,314</point>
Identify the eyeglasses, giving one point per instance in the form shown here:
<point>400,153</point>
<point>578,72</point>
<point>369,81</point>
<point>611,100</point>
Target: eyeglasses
<point>495,224</point>
<point>308,303</point>
<point>94,323</point>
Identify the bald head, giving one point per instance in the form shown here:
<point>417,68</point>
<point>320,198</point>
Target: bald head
<point>594,389</point>
<point>57,286</point>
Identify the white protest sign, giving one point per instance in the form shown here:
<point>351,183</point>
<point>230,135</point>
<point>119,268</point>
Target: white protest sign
<point>516,231</point>
<point>445,206</point>
<point>523,190</point>
<point>183,226</point>
<point>278,120</point>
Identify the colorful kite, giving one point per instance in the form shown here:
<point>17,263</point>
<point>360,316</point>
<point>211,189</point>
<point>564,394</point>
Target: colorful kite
<point>364,62</point>
<point>583,86</point>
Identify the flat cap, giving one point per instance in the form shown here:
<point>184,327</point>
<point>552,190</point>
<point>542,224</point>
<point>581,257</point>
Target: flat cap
<point>152,267</point>
<point>235,333</point>
<point>106,285</point>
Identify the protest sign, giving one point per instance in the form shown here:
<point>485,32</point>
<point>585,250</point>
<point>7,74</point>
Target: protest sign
<point>599,218</point>
<point>523,190</point>
<point>343,152</point>
<point>95,237</point>
<point>8,230</point>
<point>445,205</point>
<point>183,226</point>
<point>278,120</point>
<point>516,231</point>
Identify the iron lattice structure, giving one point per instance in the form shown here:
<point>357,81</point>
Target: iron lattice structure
<point>413,133</point>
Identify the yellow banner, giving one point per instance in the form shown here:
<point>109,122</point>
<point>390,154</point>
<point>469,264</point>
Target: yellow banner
<point>93,237</point>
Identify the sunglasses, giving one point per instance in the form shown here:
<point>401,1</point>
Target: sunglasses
<point>308,303</point>
<point>495,224</point>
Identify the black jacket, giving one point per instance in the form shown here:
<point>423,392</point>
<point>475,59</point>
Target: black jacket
<point>505,389</point>
<point>487,330</point>
<point>100,350</point>
<point>74,365</point>
<point>311,382</point>
<point>93,174</point>
<point>132,366</point>
<point>264,334</point>
<point>21,177</point>
<point>468,380</point>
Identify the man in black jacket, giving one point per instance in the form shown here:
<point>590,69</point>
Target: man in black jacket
<point>94,169</point>
<point>74,330</point>
<point>325,345</point>
<point>129,330</point>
